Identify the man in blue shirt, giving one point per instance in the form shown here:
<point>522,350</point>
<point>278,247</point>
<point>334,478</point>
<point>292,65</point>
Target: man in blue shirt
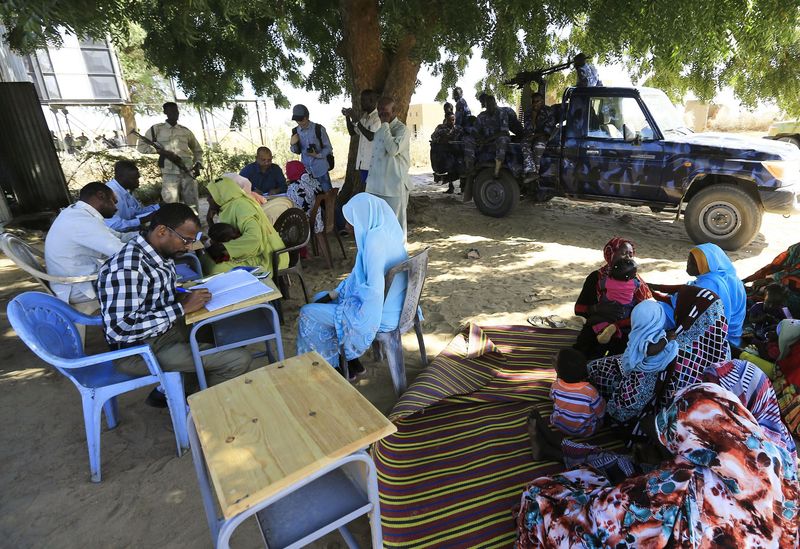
<point>266,177</point>
<point>313,150</point>
<point>131,215</point>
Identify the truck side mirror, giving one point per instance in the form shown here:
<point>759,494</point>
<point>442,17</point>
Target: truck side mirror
<point>631,136</point>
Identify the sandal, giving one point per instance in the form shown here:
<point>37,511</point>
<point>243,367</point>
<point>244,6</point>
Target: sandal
<point>538,322</point>
<point>555,321</point>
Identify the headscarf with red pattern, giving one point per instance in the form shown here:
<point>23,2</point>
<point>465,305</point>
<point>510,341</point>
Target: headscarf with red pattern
<point>611,248</point>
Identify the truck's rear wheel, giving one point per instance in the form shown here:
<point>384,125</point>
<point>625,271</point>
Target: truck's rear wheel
<point>723,214</point>
<point>793,140</point>
<point>495,197</point>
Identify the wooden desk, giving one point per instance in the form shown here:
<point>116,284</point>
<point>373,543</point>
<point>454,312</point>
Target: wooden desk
<point>274,426</point>
<point>204,313</point>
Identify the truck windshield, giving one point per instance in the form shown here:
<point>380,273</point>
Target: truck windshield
<point>661,108</point>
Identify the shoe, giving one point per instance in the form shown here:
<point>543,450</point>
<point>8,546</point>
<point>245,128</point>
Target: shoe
<point>156,399</point>
<point>450,190</point>
<point>605,336</point>
<point>355,367</point>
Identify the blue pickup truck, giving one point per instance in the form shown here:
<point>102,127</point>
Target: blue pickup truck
<point>629,146</point>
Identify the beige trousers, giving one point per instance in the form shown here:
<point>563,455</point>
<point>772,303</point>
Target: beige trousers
<point>398,204</point>
<point>179,187</point>
<point>174,355</point>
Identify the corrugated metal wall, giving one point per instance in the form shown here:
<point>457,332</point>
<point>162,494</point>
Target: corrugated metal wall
<point>29,166</point>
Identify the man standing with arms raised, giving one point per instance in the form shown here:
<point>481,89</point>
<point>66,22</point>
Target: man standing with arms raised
<point>180,151</point>
<point>365,127</point>
<point>391,158</point>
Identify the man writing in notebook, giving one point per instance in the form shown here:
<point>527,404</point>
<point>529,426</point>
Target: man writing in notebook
<point>140,303</point>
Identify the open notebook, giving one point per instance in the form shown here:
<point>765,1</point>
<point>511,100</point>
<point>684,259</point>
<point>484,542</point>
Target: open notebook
<point>232,287</point>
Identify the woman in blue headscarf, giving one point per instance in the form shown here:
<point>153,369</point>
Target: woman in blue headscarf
<point>714,271</point>
<point>351,315</point>
<point>666,352</point>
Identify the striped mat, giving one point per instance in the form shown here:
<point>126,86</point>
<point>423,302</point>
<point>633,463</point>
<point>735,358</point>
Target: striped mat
<point>455,469</point>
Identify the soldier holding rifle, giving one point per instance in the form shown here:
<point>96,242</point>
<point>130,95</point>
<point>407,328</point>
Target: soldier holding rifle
<point>177,149</point>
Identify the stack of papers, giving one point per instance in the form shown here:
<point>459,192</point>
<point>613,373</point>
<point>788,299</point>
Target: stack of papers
<point>231,288</point>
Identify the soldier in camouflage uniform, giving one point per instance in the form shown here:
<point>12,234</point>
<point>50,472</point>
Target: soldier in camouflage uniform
<point>447,151</point>
<point>493,125</point>
<point>587,73</point>
<point>539,124</point>
<point>462,109</point>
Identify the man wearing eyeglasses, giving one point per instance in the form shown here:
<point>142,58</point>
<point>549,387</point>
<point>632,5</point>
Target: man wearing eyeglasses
<point>139,302</point>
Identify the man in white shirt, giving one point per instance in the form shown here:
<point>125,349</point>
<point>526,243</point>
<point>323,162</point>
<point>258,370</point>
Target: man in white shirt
<point>79,241</point>
<point>391,157</point>
<point>130,215</point>
<point>365,127</point>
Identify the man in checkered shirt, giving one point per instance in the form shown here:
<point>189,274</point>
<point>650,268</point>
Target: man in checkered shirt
<point>139,303</point>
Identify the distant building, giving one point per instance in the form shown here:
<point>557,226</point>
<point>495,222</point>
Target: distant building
<point>79,85</point>
<point>423,118</point>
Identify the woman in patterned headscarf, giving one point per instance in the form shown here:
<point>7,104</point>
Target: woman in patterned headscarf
<point>726,484</point>
<point>591,302</point>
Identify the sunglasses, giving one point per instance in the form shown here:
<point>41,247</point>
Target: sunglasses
<point>185,240</point>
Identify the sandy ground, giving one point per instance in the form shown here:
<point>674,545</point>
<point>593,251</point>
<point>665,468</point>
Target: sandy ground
<point>149,497</point>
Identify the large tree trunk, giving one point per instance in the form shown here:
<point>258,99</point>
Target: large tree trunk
<point>369,66</point>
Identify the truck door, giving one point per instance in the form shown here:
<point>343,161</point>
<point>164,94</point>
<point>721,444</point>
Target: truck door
<point>607,165</point>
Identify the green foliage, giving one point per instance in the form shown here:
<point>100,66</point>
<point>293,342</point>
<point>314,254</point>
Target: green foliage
<point>217,161</point>
<point>148,89</point>
<point>211,46</point>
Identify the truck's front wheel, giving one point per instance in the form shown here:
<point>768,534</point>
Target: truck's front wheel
<point>723,214</point>
<point>495,197</point>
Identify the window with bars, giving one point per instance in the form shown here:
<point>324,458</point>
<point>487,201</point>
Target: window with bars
<point>99,68</point>
<point>41,73</point>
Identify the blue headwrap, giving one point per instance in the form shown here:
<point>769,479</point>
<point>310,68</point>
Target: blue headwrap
<point>647,326</point>
<point>361,302</point>
<point>719,276</point>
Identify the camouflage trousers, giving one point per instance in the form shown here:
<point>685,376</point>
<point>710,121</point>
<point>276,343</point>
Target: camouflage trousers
<point>501,145</point>
<point>532,155</point>
<point>179,187</point>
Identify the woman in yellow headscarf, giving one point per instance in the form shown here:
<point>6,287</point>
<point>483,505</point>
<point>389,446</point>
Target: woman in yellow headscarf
<point>258,237</point>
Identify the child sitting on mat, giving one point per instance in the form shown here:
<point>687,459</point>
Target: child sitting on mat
<point>578,408</point>
<point>765,315</point>
<point>620,287</point>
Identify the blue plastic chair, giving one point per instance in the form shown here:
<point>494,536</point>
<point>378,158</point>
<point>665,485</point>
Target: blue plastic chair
<point>47,325</point>
<point>188,267</point>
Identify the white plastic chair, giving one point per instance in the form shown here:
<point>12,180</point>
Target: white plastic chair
<point>31,260</point>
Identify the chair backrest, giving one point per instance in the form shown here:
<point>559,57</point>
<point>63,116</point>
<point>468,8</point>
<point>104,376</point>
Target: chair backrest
<point>295,231</point>
<point>327,201</point>
<point>24,257</point>
<point>274,207</point>
<point>417,268</point>
<point>47,326</point>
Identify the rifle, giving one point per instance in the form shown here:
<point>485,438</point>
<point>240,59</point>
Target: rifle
<point>160,148</point>
<point>526,77</point>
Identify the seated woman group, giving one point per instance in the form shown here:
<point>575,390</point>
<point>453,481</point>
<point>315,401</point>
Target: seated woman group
<point>673,374</point>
